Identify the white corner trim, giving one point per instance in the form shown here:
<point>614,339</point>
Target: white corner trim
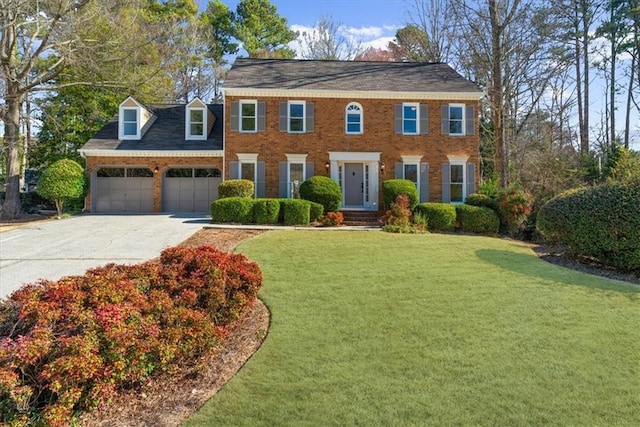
<point>411,159</point>
<point>457,159</point>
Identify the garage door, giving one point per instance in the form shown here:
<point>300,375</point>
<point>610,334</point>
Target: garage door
<point>123,190</point>
<point>190,189</point>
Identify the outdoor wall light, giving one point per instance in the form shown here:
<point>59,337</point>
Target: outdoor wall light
<point>382,166</point>
<point>327,165</point>
<point>155,170</point>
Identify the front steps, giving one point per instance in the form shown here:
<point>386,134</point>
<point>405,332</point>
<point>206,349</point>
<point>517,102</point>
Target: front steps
<point>362,218</point>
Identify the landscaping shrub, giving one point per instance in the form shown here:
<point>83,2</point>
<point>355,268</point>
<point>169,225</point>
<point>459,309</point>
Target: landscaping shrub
<point>393,188</point>
<point>599,222</point>
<point>482,200</point>
<point>265,211</point>
<point>235,188</point>
<point>332,219</point>
<point>323,190</point>
<point>316,211</point>
<point>440,216</point>
<point>295,211</point>
<point>61,182</point>
<point>68,346</point>
<point>513,207</point>
<point>478,219</point>
<point>232,209</point>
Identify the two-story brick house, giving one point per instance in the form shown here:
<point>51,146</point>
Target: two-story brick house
<point>285,120</point>
<point>358,122</point>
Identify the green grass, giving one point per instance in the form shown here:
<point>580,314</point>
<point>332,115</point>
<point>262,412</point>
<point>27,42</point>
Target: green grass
<point>398,330</point>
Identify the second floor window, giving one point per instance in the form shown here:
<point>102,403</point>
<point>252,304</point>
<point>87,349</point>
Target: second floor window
<point>410,122</point>
<point>353,118</point>
<point>456,119</point>
<point>248,116</point>
<point>196,122</point>
<point>296,117</point>
<point>130,122</point>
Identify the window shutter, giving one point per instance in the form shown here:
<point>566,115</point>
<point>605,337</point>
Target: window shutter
<point>309,111</point>
<point>283,116</point>
<point>282,179</point>
<point>260,180</point>
<point>235,116</point>
<point>444,112</point>
<point>262,110</point>
<point>424,119</point>
<point>446,183</point>
<point>399,170</point>
<point>471,120</point>
<point>471,178</point>
<point>397,108</point>
<point>424,182</point>
<point>309,170</point>
<point>233,170</point>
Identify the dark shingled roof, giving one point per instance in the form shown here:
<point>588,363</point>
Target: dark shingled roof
<point>166,133</point>
<point>346,76</point>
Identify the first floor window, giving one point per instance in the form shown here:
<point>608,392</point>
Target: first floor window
<point>248,171</point>
<point>457,183</point>
<point>296,177</point>
<point>248,116</point>
<point>411,173</point>
<point>296,117</point>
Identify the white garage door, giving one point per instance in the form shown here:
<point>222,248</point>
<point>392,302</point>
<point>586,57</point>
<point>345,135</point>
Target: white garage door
<point>190,189</point>
<point>119,189</point>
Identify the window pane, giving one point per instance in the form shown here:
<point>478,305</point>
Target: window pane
<point>353,127</point>
<point>457,175</point>
<point>196,116</point>
<point>129,116</point>
<point>409,126</point>
<point>455,113</point>
<point>296,172</point>
<point>455,128</point>
<point>296,125</point>
<point>139,173</point>
<point>197,129</point>
<point>410,112</point>
<point>110,173</point>
<point>207,173</point>
<point>248,110</point>
<point>296,110</point>
<point>179,173</point>
<point>248,171</point>
<point>248,123</point>
<point>411,173</point>
<point>130,128</point>
<point>456,192</point>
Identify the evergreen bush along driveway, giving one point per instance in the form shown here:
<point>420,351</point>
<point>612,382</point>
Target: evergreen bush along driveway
<point>396,330</point>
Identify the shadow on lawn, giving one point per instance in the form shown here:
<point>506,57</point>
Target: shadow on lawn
<point>531,265</point>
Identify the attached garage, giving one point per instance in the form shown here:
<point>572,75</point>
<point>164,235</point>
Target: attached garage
<point>123,190</point>
<point>190,189</point>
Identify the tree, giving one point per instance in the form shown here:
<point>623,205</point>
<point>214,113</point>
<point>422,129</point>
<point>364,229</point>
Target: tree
<point>435,20</point>
<point>64,180</point>
<point>327,41</point>
<point>263,33</point>
<point>411,45</point>
<point>375,54</point>
<point>217,23</point>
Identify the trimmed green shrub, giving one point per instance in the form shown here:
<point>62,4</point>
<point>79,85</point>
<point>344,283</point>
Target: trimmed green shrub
<point>295,211</point>
<point>599,222</point>
<point>323,190</point>
<point>232,209</point>
<point>61,182</point>
<point>265,211</point>
<point>392,188</point>
<point>235,188</point>
<point>316,212</point>
<point>478,219</point>
<point>440,216</point>
<point>482,200</point>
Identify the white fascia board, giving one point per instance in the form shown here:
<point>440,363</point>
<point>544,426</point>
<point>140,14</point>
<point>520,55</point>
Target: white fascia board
<point>294,93</point>
<point>159,153</point>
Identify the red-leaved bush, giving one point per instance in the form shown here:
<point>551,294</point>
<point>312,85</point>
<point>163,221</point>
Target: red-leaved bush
<point>69,345</point>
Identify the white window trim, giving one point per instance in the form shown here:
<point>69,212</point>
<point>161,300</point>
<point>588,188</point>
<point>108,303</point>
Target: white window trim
<point>248,158</point>
<point>255,117</point>
<point>458,160</point>
<point>122,122</point>
<point>346,118</point>
<point>464,119</point>
<point>188,135</point>
<point>293,159</point>
<point>412,160</point>
<point>411,104</point>
<point>304,116</point>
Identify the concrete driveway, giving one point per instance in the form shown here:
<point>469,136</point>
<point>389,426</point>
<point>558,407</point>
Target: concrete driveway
<point>54,249</point>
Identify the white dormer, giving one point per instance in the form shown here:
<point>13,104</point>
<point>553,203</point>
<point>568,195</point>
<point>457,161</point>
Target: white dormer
<point>133,117</point>
<point>198,121</point>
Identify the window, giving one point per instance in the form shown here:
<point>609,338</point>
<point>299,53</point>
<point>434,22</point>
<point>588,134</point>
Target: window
<point>456,119</point>
<point>353,118</point>
<point>248,171</point>
<point>296,172</point>
<point>411,173</point>
<point>130,122</point>
<point>296,117</point>
<point>410,119</point>
<point>247,168</point>
<point>456,186</point>
<point>248,116</point>
<point>196,122</point>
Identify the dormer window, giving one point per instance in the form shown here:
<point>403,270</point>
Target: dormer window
<point>196,126</point>
<point>134,119</point>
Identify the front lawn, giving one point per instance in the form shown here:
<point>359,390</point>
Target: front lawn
<point>371,328</point>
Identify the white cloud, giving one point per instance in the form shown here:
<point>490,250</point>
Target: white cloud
<point>379,43</point>
<point>365,32</point>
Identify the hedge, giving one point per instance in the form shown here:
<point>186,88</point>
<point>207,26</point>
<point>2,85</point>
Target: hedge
<point>232,209</point>
<point>316,212</point>
<point>477,219</point>
<point>392,188</point>
<point>70,345</point>
<point>482,200</point>
<point>295,211</point>
<point>323,190</point>
<point>265,211</point>
<point>235,188</point>
<point>599,222</point>
<point>440,216</point>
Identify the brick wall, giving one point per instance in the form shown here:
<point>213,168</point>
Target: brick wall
<point>329,135</point>
<point>162,163</point>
